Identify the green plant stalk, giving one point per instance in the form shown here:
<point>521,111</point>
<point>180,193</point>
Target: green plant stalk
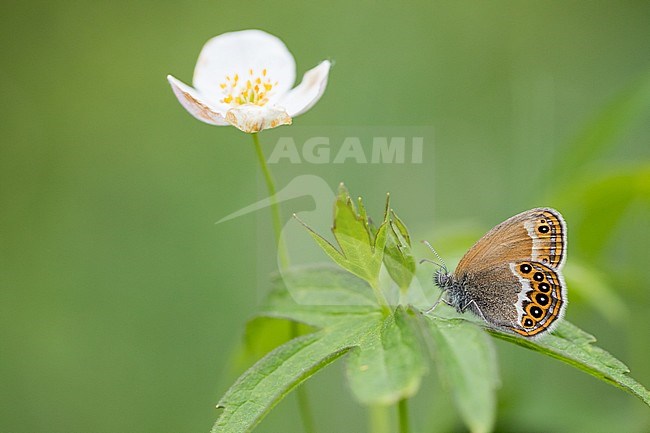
<point>275,206</point>
<point>379,419</point>
<point>301,393</point>
<point>403,414</point>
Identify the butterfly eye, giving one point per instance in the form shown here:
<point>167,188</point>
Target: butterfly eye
<point>525,268</point>
<point>528,323</point>
<point>538,276</point>
<point>544,287</point>
<point>543,229</point>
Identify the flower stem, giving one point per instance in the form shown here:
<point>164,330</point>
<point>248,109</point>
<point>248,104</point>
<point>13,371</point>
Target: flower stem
<point>303,399</point>
<point>283,255</point>
<point>275,207</point>
<point>379,419</point>
<point>403,413</point>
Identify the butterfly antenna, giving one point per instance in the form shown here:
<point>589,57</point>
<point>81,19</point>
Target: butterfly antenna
<point>430,261</point>
<point>443,265</point>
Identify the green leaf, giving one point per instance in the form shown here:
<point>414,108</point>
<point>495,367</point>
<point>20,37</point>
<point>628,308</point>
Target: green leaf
<point>351,321</point>
<point>570,344</point>
<point>389,363</point>
<point>398,257</point>
<point>400,227</point>
<point>262,386</point>
<point>363,215</point>
<point>318,295</point>
<point>350,229</point>
<point>466,362</point>
<point>361,250</point>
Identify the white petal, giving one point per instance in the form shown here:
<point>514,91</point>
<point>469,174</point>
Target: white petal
<point>237,53</point>
<point>196,104</point>
<point>253,118</point>
<point>305,95</point>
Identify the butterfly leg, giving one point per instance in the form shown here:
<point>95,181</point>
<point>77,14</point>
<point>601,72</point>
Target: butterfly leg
<point>477,309</point>
<point>440,299</point>
<point>435,304</point>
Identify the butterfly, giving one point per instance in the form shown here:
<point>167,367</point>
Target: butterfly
<point>512,277</point>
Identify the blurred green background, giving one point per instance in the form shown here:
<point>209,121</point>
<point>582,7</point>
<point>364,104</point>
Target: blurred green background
<point>121,300</point>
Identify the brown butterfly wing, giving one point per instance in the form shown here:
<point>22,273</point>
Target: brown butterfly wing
<point>542,301</point>
<point>537,235</point>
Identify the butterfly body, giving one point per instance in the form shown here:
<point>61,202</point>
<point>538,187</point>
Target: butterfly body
<point>511,277</point>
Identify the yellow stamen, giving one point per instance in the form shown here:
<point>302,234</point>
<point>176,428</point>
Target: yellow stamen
<point>256,90</point>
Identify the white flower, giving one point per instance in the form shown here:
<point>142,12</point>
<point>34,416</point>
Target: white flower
<point>245,79</point>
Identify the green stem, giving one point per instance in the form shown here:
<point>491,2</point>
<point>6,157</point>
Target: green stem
<point>379,419</point>
<point>403,413</point>
<point>275,207</point>
<point>301,393</point>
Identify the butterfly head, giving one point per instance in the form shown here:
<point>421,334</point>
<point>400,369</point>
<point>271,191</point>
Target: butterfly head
<point>443,279</point>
